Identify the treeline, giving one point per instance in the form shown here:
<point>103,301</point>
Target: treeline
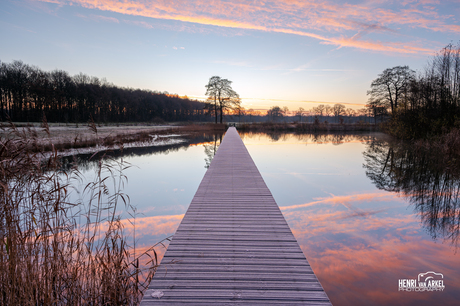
<point>423,104</point>
<point>27,93</point>
<point>337,113</point>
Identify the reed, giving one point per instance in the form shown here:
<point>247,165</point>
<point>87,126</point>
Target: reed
<point>59,251</point>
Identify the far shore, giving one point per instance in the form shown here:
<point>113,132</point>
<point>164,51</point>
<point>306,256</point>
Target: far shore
<point>86,137</point>
<point>308,127</point>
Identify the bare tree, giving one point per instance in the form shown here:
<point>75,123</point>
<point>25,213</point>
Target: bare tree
<point>274,113</point>
<point>390,86</point>
<point>363,112</point>
<point>320,109</point>
<point>222,95</point>
<point>212,91</point>
<point>349,112</point>
<point>314,111</point>
<point>240,111</point>
<point>328,110</point>
<point>228,104</point>
<point>299,113</point>
<point>377,111</point>
<point>285,112</point>
<point>338,110</point>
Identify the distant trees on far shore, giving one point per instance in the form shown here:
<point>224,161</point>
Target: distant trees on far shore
<point>337,113</point>
<point>27,93</point>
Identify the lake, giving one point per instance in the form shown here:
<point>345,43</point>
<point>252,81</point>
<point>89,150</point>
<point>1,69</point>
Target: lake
<point>366,211</point>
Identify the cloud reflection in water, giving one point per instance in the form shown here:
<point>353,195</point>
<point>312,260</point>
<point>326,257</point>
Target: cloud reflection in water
<point>359,240</point>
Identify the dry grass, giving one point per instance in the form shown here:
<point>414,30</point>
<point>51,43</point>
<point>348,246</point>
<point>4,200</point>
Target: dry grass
<point>57,252</point>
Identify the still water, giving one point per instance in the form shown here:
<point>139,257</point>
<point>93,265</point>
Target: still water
<point>366,212</point>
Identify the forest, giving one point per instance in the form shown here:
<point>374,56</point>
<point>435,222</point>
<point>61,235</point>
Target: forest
<point>27,93</point>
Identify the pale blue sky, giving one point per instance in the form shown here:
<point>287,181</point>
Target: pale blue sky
<point>275,52</point>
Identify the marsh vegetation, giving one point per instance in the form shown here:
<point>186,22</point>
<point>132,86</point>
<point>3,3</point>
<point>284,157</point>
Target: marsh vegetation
<point>55,250</point>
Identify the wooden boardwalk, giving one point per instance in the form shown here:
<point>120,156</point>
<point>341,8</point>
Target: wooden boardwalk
<point>234,245</point>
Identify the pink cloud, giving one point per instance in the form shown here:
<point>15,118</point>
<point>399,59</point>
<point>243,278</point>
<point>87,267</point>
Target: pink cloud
<point>156,225</point>
<point>139,23</point>
<point>99,18</point>
<point>359,259</point>
<point>377,196</point>
<point>328,21</point>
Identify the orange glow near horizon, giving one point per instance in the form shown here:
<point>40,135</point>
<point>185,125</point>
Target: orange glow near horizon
<point>256,106</point>
<point>286,53</point>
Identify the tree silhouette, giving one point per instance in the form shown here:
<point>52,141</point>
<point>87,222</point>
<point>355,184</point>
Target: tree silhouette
<point>338,110</point>
<point>320,109</point>
<point>390,87</point>
<point>221,95</point>
<point>275,113</point>
<point>26,93</point>
<point>300,113</point>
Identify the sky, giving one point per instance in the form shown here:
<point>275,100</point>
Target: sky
<point>288,53</point>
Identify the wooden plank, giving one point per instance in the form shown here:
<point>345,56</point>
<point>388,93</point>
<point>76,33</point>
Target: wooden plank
<point>218,302</point>
<point>242,268</point>
<point>234,245</point>
<point>215,284</point>
<point>286,294</point>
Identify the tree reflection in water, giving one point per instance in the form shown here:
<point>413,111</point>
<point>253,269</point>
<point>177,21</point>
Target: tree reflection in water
<point>429,179</point>
<point>320,138</point>
<point>89,161</point>
<point>210,149</point>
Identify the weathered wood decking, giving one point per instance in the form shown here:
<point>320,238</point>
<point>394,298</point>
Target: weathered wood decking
<point>234,245</point>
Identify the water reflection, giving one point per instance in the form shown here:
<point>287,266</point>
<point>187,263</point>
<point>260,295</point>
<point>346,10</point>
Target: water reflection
<point>355,230</point>
<point>148,231</point>
<point>430,184</point>
<point>89,161</point>
<point>359,258</point>
<point>359,239</point>
<point>161,182</point>
<point>210,149</point>
<point>319,138</point>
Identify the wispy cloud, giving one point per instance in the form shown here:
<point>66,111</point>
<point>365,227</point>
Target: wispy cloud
<point>339,24</point>
<point>99,18</point>
<point>18,27</point>
<point>139,23</point>
<point>344,199</point>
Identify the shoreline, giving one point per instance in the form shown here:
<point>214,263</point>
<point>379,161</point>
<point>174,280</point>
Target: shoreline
<point>86,138</point>
<point>309,127</point>
<point>72,139</point>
